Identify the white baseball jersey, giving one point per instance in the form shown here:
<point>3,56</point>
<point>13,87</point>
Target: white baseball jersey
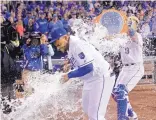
<point>98,84</point>
<point>82,53</point>
<point>132,51</point>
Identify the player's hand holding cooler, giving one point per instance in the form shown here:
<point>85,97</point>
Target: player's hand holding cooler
<point>88,65</point>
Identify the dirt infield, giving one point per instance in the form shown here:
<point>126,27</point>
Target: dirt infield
<point>143,100</point>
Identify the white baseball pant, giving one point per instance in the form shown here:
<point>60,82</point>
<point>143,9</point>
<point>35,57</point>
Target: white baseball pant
<point>96,95</point>
<point>130,76</point>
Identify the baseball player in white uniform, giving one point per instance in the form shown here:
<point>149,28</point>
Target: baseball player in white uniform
<point>131,73</point>
<point>89,65</point>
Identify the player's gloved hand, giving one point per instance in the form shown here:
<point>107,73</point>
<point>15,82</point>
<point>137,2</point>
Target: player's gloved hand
<point>64,78</point>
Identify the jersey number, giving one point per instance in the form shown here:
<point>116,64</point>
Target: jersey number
<point>127,50</point>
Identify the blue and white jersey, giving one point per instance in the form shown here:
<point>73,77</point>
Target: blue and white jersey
<point>52,26</point>
<point>82,53</point>
<point>41,25</point>
<point>33,56</point>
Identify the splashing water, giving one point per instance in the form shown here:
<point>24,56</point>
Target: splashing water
<point>52,100</point>
<point>96,34</point>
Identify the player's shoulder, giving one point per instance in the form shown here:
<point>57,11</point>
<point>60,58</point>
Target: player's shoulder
<point>74,40</point>
<point>75,43</point>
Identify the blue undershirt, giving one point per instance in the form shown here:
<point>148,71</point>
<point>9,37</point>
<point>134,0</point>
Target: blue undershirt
<point>81,71</point>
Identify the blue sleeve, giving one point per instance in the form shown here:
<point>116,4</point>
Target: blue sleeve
<point>44,49</point>
<point>50,25</point>
<point>35,26</point>
<point>27,54</point>
<point>25,21</point>
<point>81,71</point>
<point>23,47</point>
<point>60,24</point>
<point>47,30</point>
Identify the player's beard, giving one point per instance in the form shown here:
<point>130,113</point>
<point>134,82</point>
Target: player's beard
<point>64,48</point>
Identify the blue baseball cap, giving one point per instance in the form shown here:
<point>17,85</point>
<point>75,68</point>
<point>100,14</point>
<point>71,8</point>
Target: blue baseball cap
<point>57,33</point>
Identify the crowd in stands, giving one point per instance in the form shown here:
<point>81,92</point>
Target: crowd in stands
<point>46,16</point>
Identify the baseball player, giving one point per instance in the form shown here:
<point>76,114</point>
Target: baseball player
<point>89,65</point>
<point>131,73</point>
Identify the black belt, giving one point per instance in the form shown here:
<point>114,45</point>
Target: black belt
<point>129,64</point>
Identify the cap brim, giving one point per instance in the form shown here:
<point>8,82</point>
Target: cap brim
<point>53,40</point>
